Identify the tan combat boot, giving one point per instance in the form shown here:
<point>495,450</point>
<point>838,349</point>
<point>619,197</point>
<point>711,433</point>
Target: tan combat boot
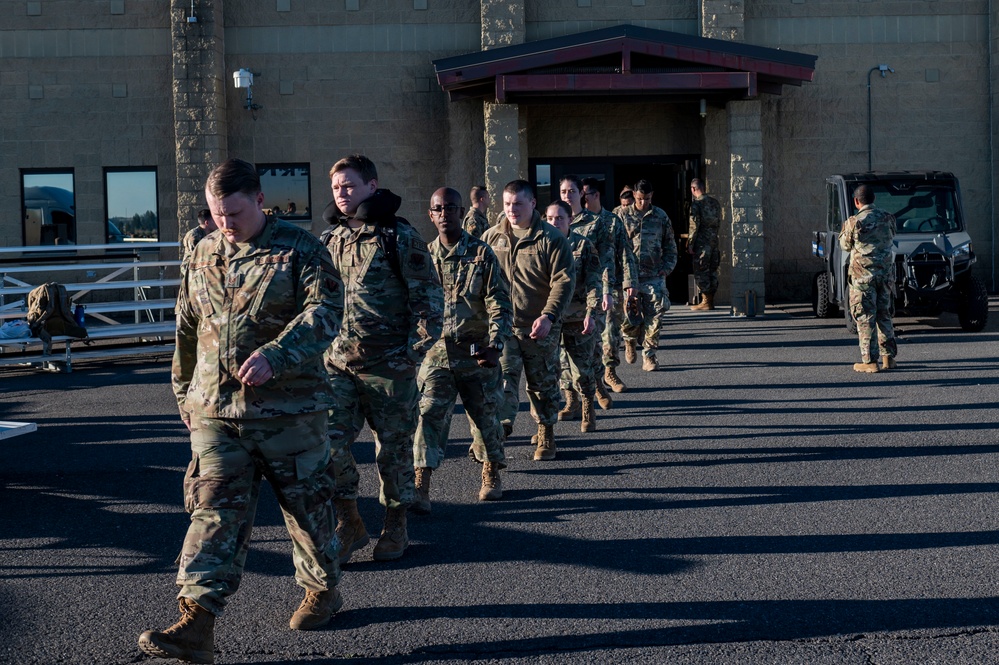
<point>649,363</point>
<point>887,362</point>
<point>613,380</point>
<point>316,609</point>
<point>349,528</point>
<point>545,442</point>
<point>630,351</point>
<point>603,398</point>
<point>571,409</point>
<point>394,539</point>
<point>492,486</point>
<point>707,303</point>
<point>422,504</point>
<point>867,368</point>
<point>589,423</point>
<point>192,639</point>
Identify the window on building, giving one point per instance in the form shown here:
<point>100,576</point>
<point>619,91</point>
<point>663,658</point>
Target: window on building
<point>287,191</point>
<point>132,208</point>
<point>48,207</point>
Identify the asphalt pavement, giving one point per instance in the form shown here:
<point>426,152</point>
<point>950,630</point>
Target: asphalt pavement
<point>754,501</point>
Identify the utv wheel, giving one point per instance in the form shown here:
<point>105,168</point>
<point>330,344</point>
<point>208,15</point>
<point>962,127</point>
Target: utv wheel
<point>973,304</point>
<point>821,305</point>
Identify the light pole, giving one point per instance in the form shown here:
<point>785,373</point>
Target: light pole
<point>884,69</point>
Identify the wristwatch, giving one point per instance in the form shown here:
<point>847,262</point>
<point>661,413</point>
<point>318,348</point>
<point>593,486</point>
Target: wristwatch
<point>498,345</point>
<point>551,317</point>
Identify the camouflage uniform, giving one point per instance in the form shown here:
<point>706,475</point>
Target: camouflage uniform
<point>578,349</point>
<point>869,236</point>
<point>390,321</point>
<point>278,295</point>
<point>477,310</point>
<point>625,277</point>
<point>475,223</point>
<point>651,234</point>
<point>705,220</point>
<point>538,269</point>
<point>189,241</point>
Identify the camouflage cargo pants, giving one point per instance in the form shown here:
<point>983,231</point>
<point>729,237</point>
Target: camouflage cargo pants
<point>480,395</point>
<point>577,359</point>
<point>221,488</point>
<point>654,301</point>
<point>611,335</point>
<point>872,305</point>
<point>538,361</point>
<point>706,259</point>
<point>384,396</point>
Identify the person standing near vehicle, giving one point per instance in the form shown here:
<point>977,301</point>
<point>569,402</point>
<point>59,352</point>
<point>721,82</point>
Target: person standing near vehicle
<point>869,238</point>
<point>702,243</point>
<point>393,314</point>
<point>259,303</point>
<point>465,360</point>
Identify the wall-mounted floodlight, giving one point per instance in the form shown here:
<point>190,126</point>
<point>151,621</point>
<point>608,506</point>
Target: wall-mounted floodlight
<point>704,108</point>
<point>243,78</point>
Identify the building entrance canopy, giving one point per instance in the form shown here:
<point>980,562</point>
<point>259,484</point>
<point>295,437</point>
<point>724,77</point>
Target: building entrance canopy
<point>623,62</point>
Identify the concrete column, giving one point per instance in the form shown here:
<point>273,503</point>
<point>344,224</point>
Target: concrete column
<point>504,23</point>
<point>746,158</point>
<point>199,108</point>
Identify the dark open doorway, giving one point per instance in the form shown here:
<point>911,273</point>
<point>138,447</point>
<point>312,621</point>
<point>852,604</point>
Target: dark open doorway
<point>669,176</point>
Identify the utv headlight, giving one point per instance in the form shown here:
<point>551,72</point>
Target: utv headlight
<point>963,253</point>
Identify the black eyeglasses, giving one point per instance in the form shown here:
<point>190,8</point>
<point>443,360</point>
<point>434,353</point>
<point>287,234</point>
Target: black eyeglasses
<point>449,208</point>
<point>586,193</point>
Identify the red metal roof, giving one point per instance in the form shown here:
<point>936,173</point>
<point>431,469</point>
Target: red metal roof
<point>623,61</point>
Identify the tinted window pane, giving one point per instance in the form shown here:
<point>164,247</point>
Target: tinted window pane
<point>133,213</point>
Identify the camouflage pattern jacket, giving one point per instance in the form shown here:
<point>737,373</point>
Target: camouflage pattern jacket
<point>625,263</point>
<point>278,294</point>
<point>868,236</point>
<point>589,288</point>
<point>190,241</point>
<point>651,235</point>
<point>596,229</point>
<point>538,269</point>
<point>475,223</point>
<point>393,308</point>
<point>477,307</point>
<point>705,220</point>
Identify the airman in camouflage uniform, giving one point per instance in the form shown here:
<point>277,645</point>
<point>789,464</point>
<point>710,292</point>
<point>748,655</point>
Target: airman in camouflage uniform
<point>651,234</point>
<point>477,316</point>
<point>476,221</point>
<point>596,230</point>
<point>537,263</point>
<point>624,283</point>
<point>392,316</point>
<point>205,226</point>
<point>579,326</point>
<point>869,238</point>
<point>702,243</point>
<point>258,304</point>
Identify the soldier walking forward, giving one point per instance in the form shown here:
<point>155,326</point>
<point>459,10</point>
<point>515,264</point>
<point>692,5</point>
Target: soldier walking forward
<point>392,316</point>
<point>537,264</point>
<point>869,237</point>
<point>651,234</point>
<point>258,305</point>
<point>579,326</point>
<point>465,360</point>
